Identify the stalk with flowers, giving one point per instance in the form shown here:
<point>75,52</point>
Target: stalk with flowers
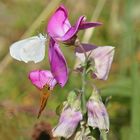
<point>78,116</point>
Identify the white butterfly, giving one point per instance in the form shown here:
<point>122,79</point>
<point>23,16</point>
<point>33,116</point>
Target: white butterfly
<point>30,49</point>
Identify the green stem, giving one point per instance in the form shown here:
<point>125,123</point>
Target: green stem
<point>83,98</point>
<point>103,135</point>
<point>83,89</point>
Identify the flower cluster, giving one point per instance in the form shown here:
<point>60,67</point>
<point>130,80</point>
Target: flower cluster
<point>93,59</point>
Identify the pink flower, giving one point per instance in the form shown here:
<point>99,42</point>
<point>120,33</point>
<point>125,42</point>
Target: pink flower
<point>42,78</point>
<point>60,29</point>
<point>101,59</point>
<point>97,113</point>
<point>45,81</point>
<point>68,123</point>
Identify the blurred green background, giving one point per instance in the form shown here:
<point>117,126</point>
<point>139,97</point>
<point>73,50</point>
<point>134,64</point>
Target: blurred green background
<point>19,100</point>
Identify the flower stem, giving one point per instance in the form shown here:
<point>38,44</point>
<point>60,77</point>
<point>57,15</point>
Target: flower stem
<point>103,135</point>
<point>83,90</point>
<point>78,44</point>
<point>83,98</point>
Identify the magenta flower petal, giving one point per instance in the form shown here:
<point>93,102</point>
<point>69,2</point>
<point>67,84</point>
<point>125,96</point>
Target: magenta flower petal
<point>58,63</point>
<point>58,25</point>
<point>73,30</point>
<point>60,29</point>
<point>85,25</point>
<point>68,122</point>
<point>40,78</point>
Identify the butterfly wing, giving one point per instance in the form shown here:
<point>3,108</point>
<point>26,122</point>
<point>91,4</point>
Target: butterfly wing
<point>30,49</point>
<point>43,102</point>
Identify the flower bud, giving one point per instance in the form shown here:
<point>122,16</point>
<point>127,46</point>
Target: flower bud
<point>68,123</point>
<point>97,113</point>
<point>70,117</point>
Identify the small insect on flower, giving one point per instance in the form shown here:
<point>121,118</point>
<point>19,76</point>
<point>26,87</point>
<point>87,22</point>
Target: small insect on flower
<point>45,82</point>
<point>30,49</point>
<point>46,92</point>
